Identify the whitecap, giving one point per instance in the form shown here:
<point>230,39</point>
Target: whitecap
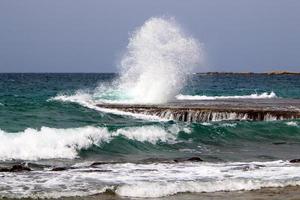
<point>264,95</point>
<point>49,143</point>
<point>291,123</point>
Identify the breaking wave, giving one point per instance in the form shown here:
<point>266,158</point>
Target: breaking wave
<point>48,143</point>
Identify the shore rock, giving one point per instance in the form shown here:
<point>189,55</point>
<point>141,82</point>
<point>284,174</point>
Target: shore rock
<point>295,161</point>
<point>195,159</point>
<point>15,168</point>
<point>4,169</point>
<point>19,168</point>
<point>59,169</point>
<point>192,159</point>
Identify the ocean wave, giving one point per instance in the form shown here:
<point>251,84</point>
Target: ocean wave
<point>48,143</point>
<point>264,95</point>
<point>152,180</point>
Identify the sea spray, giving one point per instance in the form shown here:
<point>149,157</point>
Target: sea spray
<point>158,58</point>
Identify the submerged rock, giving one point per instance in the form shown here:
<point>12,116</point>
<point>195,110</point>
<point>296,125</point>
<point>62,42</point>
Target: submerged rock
<point>279,143</point>
<point>195,159</point>
<point>295,161</point>
<point>59,169</point>
<point>15,168</point>
<point>94,164</point>
<point>4,169</point>
<point>19,168</point>
<point>192,159</point>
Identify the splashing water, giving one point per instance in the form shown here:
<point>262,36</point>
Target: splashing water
<point>153,70</point>
<point>159,55</point>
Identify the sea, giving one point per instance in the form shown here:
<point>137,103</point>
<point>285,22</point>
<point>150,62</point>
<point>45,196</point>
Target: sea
<point>49,123</point>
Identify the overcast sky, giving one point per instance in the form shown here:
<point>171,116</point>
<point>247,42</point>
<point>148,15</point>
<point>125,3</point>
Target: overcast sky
<point>90,35</point>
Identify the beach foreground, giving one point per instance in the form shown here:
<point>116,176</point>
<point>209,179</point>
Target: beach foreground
<point>288,193</point>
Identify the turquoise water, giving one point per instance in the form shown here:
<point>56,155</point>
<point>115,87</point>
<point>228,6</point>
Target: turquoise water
<point>36,127</point>
<point>25,103</point>
<point>285,86</point>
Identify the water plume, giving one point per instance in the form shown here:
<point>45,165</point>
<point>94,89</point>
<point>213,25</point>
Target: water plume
<point>158,58</point>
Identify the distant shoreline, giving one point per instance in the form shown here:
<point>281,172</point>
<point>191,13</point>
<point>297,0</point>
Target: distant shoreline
<point>208,73</point>
<point>250,73</point>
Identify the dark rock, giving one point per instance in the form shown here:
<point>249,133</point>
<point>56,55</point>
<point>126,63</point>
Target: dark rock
<point>192,111</point>
<point>19,168</point>
<point>15,168</point>
<point>95,164</point>
<point>295,161</point>
<point>110,191</point>
<point>4,169</point>
<point>177,160</point>
<point>192,159</point>
<point>195,159</point>
<point>59,169</point>
<point>279,143</point>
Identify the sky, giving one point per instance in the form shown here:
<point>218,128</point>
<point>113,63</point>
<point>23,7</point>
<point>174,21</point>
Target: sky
<point>91,35</point>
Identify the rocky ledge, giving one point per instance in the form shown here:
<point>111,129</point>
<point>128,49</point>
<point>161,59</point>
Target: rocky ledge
<point>217,110</point>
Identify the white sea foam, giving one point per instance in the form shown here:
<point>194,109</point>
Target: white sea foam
<point>264,95</point>
<point>48,143</point>
<point>146,134</point>
<point>79,96</point>
<point>151,180</point>
<point>291,123</point>
<point>206,124</point>
<point>159,189</point>
<point>85,99</point>
<point>228,124</point>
